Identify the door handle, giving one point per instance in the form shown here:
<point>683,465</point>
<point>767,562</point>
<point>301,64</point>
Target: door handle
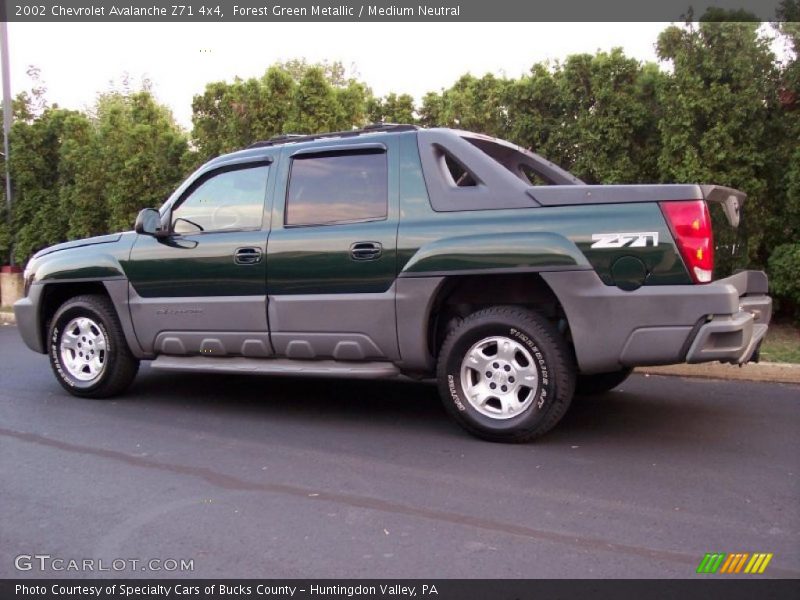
<point>365,250</point>
<point>247,256</point>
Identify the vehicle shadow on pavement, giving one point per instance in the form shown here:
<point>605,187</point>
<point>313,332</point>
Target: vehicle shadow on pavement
<point>630,416</point>
<point>293,398</point>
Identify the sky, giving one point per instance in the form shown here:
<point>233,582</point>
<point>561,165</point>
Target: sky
<point>79,60</point>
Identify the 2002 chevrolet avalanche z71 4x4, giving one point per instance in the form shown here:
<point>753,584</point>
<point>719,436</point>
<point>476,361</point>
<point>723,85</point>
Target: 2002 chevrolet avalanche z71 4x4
<point>393,251</point>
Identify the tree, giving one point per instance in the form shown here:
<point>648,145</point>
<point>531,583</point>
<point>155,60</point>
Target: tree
<point>475,104</point>
<point>140,149</point>
<point>351,100</point>
<point>82,178</point>
<point>787,123</point>
<point>334,72</point>
<point>785,281</point>
<point>784,260</point>
<point>5,217</point>
<point>291,97</point>
<point>314,107</point>
<point>717,108</point>
<point>37,220</point>
<point>227,117</point>
<point>431,113</point>
<point>392,108</point>
<point>536,113</point>
<point>77,174</point>
<point>610,103</point>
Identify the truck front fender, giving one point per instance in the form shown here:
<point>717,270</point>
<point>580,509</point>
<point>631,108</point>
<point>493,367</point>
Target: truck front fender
<point>53,276</point>
<point>74,266</point>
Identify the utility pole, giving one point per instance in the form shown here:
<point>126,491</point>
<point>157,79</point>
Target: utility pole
<point>7,109</point>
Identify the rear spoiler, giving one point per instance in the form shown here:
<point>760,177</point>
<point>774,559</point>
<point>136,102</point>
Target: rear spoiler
<point>571,195</point>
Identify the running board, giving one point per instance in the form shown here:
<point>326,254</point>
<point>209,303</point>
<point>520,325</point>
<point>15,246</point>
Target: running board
<point>277,366</point>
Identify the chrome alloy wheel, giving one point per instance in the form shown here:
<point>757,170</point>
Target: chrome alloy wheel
<point>83,349</point>
<point>499,377</point>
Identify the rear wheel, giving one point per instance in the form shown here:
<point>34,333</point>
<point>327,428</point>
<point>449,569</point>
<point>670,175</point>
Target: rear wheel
<point>600,383</point>
<point>87,348</point>
<point>506,374</point>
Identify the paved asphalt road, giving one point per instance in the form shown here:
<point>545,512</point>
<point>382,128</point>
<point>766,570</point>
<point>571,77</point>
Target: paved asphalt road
<point>266,477</point>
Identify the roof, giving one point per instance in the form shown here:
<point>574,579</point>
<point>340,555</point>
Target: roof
<point>296,138</point>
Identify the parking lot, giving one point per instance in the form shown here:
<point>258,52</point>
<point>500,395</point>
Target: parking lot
<point>285,477</point>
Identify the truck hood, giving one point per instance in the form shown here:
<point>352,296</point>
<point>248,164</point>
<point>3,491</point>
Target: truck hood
<point>100,239</point>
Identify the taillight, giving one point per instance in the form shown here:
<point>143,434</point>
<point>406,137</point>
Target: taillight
<point>690,223</point>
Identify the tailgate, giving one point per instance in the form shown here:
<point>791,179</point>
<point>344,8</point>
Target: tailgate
<point>730,231</point>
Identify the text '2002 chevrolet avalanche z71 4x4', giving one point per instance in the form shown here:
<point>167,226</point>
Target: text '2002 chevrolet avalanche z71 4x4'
<point>394,251</point>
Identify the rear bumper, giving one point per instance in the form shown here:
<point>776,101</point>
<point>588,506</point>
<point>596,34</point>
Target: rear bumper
<point>731,339</point>
<point>725,320</point>
<point>735,338</point>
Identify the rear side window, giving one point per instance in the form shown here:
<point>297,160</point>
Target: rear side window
<point>337,188</point>
<point>533,177</point>
<point>459,175</point>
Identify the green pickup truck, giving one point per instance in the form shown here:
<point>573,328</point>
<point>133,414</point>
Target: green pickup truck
<point>397,251</point>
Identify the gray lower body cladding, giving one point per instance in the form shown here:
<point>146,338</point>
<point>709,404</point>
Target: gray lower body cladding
<point>352,326</point>
<point>166,324</point>
<point>611,329</point>
<point>343,327</point>
<point>26,313</point>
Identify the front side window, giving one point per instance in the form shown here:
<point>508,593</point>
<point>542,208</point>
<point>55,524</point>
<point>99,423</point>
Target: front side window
<point>337,188</point>
<point>228,201</point>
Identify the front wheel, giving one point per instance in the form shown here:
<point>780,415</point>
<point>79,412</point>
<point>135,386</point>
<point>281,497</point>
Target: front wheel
<point>87,348</point>
<point>506,374</point>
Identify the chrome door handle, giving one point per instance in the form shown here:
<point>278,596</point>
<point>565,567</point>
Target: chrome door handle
<point>366,250</point>
<point>247,256</point>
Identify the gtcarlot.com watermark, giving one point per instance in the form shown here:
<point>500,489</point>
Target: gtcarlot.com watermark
<point>46,563</point>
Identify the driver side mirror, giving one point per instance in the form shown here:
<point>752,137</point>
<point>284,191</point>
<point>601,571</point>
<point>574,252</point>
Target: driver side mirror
<point>148,222</point>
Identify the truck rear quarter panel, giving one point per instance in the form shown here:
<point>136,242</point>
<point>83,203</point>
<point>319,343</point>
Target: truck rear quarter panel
<point>535,238</point>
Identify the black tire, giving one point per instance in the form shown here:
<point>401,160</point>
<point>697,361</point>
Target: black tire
<point>119,366</point>
<point>600,383</point>
<point>552,359</point>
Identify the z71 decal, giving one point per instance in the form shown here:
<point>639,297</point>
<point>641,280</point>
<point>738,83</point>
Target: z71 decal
<point>621,240</point>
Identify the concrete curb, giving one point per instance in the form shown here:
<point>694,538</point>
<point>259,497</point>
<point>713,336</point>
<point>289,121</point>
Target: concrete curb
<point>772,372</point>
<point>768,372</point>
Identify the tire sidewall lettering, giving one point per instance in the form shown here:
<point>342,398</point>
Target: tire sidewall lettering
<point>55,356</point>
<point>451,385</point>
<point>544,371</point>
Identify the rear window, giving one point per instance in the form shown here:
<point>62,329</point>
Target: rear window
<point>337,188</point>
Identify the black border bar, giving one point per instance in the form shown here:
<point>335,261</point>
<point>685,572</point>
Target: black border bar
<point>393,11</point>
<point>730,588</point>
